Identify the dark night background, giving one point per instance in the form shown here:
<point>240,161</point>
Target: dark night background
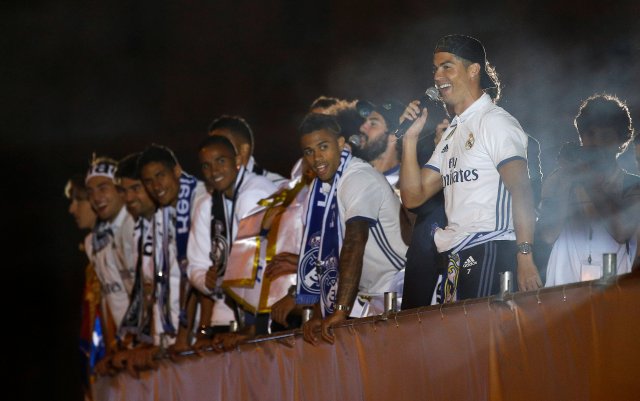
<point>111,77</point>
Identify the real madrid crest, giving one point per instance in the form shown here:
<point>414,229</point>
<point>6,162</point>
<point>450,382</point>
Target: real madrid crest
<point>470,141</point>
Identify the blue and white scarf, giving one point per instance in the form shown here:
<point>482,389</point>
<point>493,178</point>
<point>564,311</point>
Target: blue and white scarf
<point>182,224</point>
<point>102,236</point>
<point>321,244</point>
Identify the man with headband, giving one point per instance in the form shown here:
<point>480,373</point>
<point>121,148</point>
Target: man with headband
<point>112,250</point>
<point>481,164</point>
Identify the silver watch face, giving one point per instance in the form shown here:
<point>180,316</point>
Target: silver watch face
<point>524,248</point>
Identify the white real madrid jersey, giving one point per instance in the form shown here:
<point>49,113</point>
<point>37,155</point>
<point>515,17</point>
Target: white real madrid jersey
<point>364,193</point>
<point>476,144</point>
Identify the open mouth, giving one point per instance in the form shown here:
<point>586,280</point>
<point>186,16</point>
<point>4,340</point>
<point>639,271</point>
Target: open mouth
<point>443,87</point>
<point>321,169</point>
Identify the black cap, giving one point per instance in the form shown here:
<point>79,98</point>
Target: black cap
<point>390,110</point>
<point>468,48</point>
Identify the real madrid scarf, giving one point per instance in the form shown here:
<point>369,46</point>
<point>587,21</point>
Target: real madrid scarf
<point>222,227</point>
<point>137,319</point>
<point>321,244</point>
<point>182,224</point>
<point>102,236</point>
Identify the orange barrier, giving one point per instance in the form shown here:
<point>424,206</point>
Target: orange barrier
<point>577,342</point>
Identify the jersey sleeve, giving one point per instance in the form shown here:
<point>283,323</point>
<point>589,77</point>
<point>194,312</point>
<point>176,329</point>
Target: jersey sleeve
<point>199,245</point>
<point>503,138</point>
<point>361,196</point>
<point>435,161</point>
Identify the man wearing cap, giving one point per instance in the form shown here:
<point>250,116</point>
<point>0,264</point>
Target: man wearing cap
<point>481,165</point>
<point>384,151</point>
<point>377,145</point>
<point>112,250</point>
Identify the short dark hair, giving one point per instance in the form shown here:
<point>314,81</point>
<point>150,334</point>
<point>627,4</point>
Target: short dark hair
<point>315,122</point>
<point>158,154</point>
<point>128,167</point>
<point>217,140</point>
<point>237,125</point>
<point>323,102</point>
<point>605,110</point>
<point>349,120</point>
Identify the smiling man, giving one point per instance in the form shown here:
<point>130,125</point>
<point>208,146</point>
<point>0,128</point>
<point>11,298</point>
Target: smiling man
<point>352,245</point>
<point>137,321</point>
<point>237,130</point>
<point>111,248</point>
<point>481,164</point>
<point>235,192</point>
<point>175,192</point>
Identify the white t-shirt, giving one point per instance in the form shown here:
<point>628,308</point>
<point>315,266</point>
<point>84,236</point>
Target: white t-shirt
<point>393,176</point>
<point>569,258</point>
<point>115,265</point>
<point>364,193</point>
<point>477,204</point>
<point>253,189</point>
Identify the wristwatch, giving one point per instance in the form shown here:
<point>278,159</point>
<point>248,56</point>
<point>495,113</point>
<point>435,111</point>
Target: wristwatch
<point>525,248</point>
<point>345,308</point>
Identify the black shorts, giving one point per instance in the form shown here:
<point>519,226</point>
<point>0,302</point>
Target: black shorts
<point>473,272</point>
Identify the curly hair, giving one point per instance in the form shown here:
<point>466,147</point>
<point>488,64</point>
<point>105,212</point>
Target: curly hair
<point>605,110</point>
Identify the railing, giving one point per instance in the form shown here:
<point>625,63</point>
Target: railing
<point>576,342</point>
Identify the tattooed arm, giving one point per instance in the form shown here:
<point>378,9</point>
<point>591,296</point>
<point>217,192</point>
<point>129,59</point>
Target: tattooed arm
<point>351,256</point>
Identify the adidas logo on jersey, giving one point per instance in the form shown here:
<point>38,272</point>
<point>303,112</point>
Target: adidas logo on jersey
<point>469,262</point>
<point>445,149</point>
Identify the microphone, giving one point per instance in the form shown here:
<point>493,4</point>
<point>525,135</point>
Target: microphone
<point>355,141</point>
<point>430,94</point>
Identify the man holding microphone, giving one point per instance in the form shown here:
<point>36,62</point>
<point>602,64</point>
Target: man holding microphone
<point>481,165</point>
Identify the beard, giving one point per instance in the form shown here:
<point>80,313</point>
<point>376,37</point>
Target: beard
<point>372,150</point>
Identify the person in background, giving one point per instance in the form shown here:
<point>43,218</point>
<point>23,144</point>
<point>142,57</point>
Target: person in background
<point>237,130</point>
<point>377,142</point>
<point>590,205</point>
<point>322,103</point>
<point>91,342</point>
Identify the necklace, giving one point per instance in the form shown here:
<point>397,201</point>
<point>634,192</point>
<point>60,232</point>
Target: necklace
<point>590,238</point>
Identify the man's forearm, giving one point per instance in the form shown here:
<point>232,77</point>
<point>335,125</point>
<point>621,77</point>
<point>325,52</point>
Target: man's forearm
<point>410,178</point>
<point>516,180</point>
<point>524,219</point>
<point>351,256</point>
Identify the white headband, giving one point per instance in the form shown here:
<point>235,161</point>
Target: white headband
<point>101,169</point>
